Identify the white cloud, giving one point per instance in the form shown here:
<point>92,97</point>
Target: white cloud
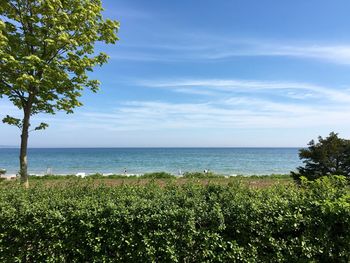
<point>214,104</point>
<point>202,47</point>
<point>332,53</point>
<point>294,90</point>
<point>234,113</point>
<point>228,104</point>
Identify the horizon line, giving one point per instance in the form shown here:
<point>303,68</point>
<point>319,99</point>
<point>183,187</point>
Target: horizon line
<point>148,147</point>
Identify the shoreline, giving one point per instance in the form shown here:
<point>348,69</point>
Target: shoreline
<point>83,174</point>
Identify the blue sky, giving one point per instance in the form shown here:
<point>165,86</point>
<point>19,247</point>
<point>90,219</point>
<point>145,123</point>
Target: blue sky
<point>212,73</point>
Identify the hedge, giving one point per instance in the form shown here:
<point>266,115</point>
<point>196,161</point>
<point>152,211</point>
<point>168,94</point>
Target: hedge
<point>188,223</point>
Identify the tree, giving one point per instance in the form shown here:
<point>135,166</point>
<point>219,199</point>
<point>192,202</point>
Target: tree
<point>46,50</point>
<point>329,156</point>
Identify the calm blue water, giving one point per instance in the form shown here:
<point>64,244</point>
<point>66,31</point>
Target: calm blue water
<point>141,160</point>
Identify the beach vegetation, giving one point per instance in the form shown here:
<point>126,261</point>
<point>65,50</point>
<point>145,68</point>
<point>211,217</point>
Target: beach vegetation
<point>84,222</point>
<point>271,176</point>
<point>158,175</point>
<point>202,175</point>
<point>46,50</point>
<point>51,177</point>
<point>109,176</point>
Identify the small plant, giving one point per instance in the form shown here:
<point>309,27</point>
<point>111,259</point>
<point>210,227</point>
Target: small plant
<point>158,175</point>
<point>272,176</point>
<point>51,177</point>
<point>200,175</point>
<point>95,176</point>
<point>119,176</point>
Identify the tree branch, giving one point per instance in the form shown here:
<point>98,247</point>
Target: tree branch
<point>6,84</point>
<point>18,94</point>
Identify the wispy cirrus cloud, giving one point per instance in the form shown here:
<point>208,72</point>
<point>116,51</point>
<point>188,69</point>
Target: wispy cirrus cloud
<point>211,47</point>
<point>293,90</point>
<point>227,104</point>
<point>230,104</point>
<point>216,104</point>
<point>334,53</point>
<point>234,113</point>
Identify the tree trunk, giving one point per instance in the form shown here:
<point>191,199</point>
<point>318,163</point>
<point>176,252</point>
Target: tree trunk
<point>24,146</point>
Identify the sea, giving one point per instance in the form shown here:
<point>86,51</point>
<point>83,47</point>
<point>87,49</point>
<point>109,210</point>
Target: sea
<point>226,161</point>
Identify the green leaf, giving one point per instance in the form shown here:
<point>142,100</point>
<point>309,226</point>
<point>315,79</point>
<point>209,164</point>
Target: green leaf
<point>42,126</point>
<point>12,121</point>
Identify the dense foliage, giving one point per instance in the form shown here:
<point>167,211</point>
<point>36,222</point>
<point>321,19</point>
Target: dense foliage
<point>158,175</point>
<point>46,49</point>
<point>200,175</point>
<point>330,155</point>
<point>153,175</point>
<point>189,223</point>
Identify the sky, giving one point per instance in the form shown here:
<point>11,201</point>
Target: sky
<point>203,73</point>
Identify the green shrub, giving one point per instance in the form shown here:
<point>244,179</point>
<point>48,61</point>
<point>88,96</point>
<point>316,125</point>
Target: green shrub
<point>120,176</point>
<point>52,177</point>
<point>95,176</point>
<point>271,176</point>
<point>191,223</point>
<point>158,175</point>
<point>200,175</point>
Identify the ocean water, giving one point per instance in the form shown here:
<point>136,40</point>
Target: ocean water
<point>228,161</point>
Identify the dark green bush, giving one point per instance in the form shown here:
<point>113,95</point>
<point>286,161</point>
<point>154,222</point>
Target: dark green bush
<point>95,176</point>
<point>110,176</point>
<point>52,177</point>
<point>200,175</point>
<point>120,176</point>
<point>158,175</point>
<point>271,176</point>
<point>190,223</point>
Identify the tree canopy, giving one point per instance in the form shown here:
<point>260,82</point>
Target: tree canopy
<point>328,156</point>
<point>46,48</point>
<point>46,51</point>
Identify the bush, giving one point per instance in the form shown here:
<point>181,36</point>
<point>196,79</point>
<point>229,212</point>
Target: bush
<point>52,177</point>
<point>190,223</point>
<point>200,175</point>
<point>109,176</point>
<point>272,176</point>
<point>95,176</point>
<point>158,175</point>
<point>329,156</point>
<point>120,176</point>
